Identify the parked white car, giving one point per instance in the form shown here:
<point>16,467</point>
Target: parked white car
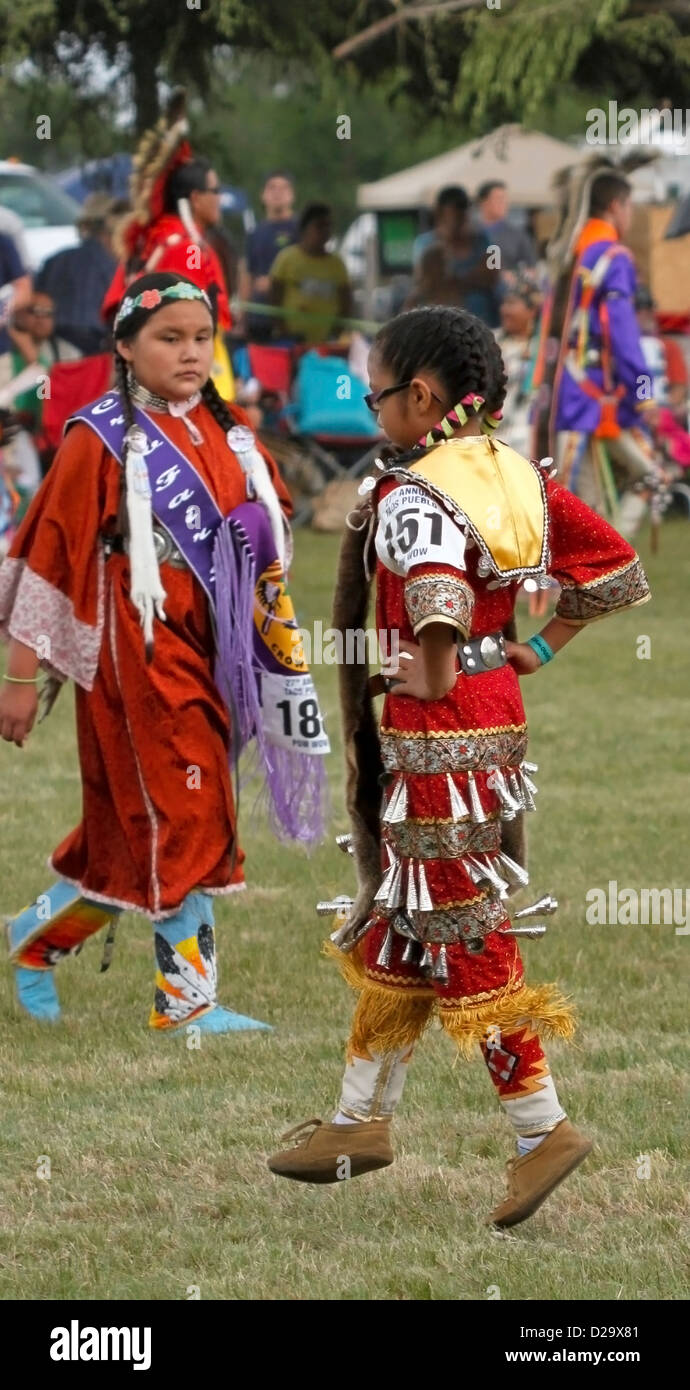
<point>47,214</point>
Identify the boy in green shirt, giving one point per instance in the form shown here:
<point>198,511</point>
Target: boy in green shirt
<point>310,283</point>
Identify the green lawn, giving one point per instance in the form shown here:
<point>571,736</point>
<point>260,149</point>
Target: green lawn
<point>158,1178</point>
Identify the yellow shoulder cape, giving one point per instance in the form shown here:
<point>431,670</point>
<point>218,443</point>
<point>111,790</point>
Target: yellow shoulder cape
<point>496,495</point>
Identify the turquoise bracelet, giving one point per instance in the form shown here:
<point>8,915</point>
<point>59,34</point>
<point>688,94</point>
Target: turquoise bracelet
<point>542,648</point>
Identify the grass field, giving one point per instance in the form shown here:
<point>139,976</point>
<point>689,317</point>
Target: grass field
<point>157,1153</point>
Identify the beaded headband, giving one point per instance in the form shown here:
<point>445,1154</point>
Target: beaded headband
<point>458,416</point>
<point>151,299</point>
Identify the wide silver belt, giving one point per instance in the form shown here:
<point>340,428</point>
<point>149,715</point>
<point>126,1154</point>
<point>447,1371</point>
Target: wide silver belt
<point>480,654</point>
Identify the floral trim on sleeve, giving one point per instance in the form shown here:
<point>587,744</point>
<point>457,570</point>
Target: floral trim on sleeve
<point>608,593</point>
<point>39,615</point>
<point>439,598</point>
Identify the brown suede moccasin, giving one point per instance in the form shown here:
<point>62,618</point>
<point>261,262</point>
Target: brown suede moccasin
<point>532,1177</point>
<point>333,1153</point>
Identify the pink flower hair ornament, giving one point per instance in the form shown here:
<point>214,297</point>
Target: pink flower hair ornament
<point>152,299</point>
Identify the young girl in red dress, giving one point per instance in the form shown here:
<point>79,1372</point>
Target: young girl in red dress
<point>158,490</point>
<point>452,527</point>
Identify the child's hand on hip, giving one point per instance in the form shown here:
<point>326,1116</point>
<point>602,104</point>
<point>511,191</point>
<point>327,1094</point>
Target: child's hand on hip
<point>18,707</point>
<point>522,658</point>
<point>406,669</point>
<point>410,672</point>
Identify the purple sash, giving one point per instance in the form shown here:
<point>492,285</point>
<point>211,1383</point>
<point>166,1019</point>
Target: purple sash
<point>259,669</point>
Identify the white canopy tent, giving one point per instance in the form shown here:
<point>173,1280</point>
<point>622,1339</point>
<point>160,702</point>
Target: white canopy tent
<point>525,160</point>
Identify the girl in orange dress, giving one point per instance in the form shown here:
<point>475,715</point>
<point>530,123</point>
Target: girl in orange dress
<point>93,564</point>
<point>453,526</point>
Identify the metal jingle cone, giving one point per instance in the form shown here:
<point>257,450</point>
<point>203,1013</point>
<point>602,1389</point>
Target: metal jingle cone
<point>396,809</point>
<point>509,802</point>
<point>533,932</point>
<point>527,782</point>
<point>410,953</point>
<point>516,872</point>
<point>340,904</point>
<point>425,901</point>
<point>411,895</point>
<point>516,790</point>
<point>381,895</point>
<point>479,815</point>
<point>426,961</point>
<point>488,871</point>
<point>473,868</point>
<point>395,888</point>
<point>547,905</point>
<point>344,842</point>
<point>527,794</point>
<point>440,970</point>
<point>389,812</point>
<point>345,939</point>
<point>458,807</point>
<point>384,956</point>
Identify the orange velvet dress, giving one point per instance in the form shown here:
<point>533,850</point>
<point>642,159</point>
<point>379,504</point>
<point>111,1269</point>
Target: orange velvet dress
<point>158,816</point>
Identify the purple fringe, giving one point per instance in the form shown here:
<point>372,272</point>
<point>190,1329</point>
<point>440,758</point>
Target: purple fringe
<point>235,661</point>
<point>294,795</point>
<point>294,791</point>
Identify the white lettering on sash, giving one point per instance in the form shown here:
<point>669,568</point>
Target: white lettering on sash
<point>167,478</point>
<point>202,534</point>
<point>104,406</point>
<point>117,420</point>
<point>179,498</point>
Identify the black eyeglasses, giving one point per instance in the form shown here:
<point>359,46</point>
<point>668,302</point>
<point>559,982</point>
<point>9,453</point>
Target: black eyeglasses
<point>374,398</point>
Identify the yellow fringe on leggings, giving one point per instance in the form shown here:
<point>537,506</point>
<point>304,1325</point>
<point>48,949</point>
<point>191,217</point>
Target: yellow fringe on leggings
<point>385,1018</point>
<point>547,1011</point>
<point>388,1018</point>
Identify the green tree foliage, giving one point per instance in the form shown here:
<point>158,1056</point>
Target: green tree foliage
<point>157,39</point>
<point>483,60</point>
<point>505,60</point>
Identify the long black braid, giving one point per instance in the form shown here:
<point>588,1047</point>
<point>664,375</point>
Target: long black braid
<point>219,408</point>
<point>122,385</point>
<point>455,345</point>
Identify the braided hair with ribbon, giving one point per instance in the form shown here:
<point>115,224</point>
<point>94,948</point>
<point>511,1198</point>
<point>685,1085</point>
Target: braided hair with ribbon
<point>461,352</point>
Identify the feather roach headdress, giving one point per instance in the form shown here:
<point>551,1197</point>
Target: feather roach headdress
<point>161,151</point>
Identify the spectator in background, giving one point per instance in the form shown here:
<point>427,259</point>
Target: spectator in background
<point>15,286</point>
<point>518,340</point>
<point>668,381</point>
<point>310,283</point>
<point>279,229</point>
<point>12,226</point>
<point>33,341</point>
<point>452,264</point>
<point>664,358</point>
<point>518,251</point>
<point>76,279</point>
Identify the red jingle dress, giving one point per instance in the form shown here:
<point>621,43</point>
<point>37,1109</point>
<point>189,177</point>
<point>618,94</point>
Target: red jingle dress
<point>448,553</point>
